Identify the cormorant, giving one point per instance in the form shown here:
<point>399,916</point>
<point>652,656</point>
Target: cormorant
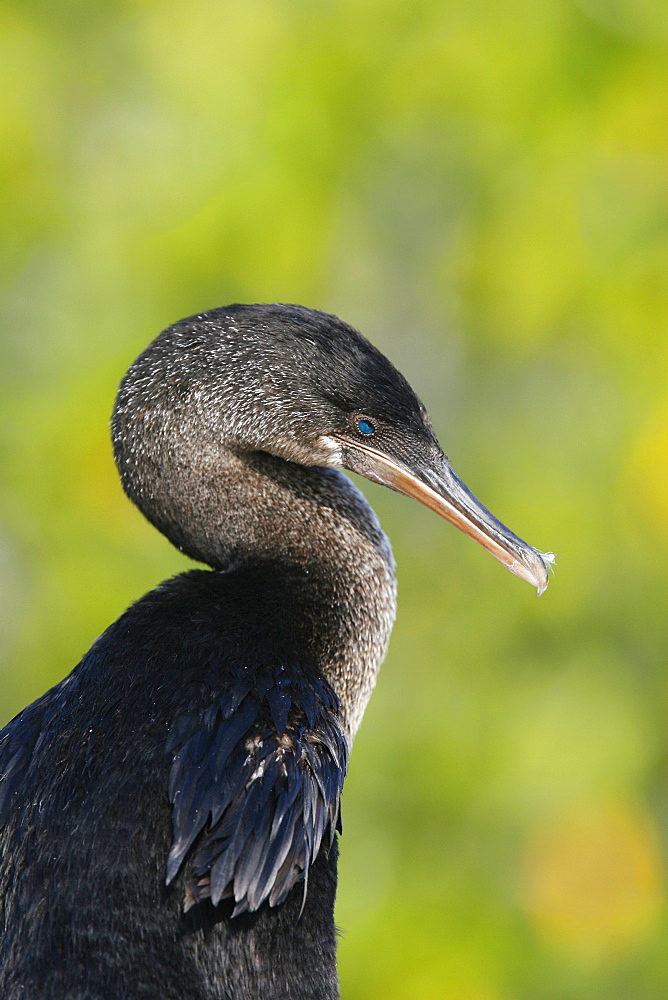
<point>169,810</point>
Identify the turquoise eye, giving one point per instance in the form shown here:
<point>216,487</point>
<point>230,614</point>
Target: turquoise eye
<point>366,427</point>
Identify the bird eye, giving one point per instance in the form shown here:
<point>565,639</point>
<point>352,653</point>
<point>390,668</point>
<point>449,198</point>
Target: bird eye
<point>365,427</point>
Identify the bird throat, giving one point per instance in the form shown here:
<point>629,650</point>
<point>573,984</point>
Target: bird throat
<point>308,544</point>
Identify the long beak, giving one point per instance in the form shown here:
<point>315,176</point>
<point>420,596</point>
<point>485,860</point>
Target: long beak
<point>436,486</point>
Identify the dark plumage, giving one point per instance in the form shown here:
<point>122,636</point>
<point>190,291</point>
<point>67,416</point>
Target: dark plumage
<point>168,811</point>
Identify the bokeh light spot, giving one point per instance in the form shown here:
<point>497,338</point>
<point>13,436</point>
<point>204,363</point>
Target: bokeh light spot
<point>593,884</point>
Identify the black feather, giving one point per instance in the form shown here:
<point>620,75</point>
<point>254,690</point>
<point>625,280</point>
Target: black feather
<point>271,791</point>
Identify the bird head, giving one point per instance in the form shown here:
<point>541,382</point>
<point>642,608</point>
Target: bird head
<point>308,388</point>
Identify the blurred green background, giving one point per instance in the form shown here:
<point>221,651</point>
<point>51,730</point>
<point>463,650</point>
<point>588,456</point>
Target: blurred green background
<point>482,188</point>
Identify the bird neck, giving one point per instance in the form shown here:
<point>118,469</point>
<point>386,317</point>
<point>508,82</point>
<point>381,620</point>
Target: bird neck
<point>321,567</point>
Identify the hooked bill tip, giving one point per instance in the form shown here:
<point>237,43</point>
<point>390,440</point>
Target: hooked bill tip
<point>547,560</point>
<point>533,567</point>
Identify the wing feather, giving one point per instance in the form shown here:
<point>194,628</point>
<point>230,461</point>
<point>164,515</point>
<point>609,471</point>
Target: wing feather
<point>255,787</point>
